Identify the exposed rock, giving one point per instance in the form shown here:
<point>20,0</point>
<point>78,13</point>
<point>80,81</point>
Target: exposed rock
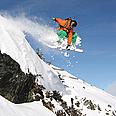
<point>48,105</point>
<point>15,85</point>
<point>90,105</point>
<point>60,113</point>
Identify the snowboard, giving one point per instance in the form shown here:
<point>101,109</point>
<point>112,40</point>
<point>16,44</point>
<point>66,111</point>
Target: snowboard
<point>61,43</point>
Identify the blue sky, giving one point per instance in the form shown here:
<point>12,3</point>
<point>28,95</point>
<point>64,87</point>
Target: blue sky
<point>97,18</point>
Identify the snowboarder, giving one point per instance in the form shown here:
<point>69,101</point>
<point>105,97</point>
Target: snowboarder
<point>66,26</point>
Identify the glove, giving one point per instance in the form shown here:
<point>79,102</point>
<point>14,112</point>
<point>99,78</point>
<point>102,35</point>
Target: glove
<point>53,19</point>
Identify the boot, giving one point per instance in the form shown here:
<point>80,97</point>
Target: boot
<point>68,47</point>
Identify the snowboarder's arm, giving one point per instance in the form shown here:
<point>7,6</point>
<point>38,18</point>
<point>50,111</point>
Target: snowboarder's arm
<point>60,21</point>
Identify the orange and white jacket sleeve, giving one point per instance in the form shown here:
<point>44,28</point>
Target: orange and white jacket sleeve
<point>60,21</point>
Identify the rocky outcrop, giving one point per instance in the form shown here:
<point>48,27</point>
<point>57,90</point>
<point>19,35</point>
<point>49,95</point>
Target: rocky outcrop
<point>15,85</point>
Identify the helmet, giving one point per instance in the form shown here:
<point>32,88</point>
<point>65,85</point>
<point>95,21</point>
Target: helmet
<point>73,23</point>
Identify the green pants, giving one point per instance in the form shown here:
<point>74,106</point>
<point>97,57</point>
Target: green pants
<point>62,35</point>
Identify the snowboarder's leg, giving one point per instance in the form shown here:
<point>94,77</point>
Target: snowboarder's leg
<point>62,35</point>
<point>70,34</point>
<point>74,38</point>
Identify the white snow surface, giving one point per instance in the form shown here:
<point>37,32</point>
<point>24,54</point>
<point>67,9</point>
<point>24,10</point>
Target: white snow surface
<point>14,43</point>
<point>27,109</point>
<point>81,90</point>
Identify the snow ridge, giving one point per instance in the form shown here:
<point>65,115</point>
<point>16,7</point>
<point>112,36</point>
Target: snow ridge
<point>14,43</point>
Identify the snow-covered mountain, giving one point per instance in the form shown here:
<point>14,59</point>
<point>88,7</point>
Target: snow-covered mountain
<point>63,94</point>
<point>13,43</point>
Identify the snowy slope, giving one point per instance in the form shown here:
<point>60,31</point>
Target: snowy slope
<point>32,109</point>
<point>82,90</point>
<point>14,43</point>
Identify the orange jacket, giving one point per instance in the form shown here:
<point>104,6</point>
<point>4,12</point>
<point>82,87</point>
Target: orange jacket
<point>66,26</point>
